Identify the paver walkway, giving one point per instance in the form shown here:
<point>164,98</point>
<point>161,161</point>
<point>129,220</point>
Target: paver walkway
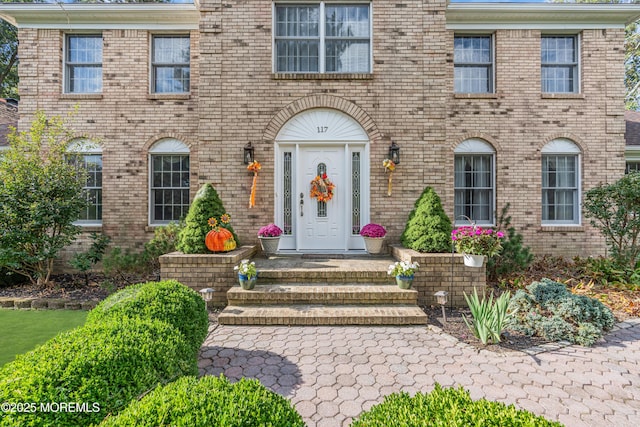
<point>332,374</point>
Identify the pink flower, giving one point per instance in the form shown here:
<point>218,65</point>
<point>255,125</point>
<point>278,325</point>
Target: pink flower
<point>500,234</point>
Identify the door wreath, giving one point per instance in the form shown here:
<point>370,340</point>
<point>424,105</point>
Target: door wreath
<point>322,188</point>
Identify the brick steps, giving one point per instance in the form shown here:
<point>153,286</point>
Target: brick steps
<point>314,293</point>
<point>315,315</point>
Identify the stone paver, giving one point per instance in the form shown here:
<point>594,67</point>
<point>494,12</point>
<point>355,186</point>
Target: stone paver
<point>332,374</point>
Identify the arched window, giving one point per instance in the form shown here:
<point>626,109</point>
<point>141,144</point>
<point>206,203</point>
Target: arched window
<point>560,183</point>
<point>168,181</point>
<point>474,182</point>
<point>88,155</point>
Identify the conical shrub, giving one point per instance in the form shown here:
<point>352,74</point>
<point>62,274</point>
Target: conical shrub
<point>428,228</point>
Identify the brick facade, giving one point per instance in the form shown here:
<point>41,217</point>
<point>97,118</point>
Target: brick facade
<point>408,98</point>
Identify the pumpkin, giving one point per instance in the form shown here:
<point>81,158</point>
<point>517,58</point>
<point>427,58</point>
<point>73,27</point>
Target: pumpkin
<point>220,240</point>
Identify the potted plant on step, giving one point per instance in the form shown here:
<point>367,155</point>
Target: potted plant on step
<point>269,236</point>
<point>373,235</point>
<point>475,242</point>
<point>247,274</point>
<point>404,272</point>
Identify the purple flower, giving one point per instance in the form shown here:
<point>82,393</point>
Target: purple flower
<point>270,230</point>
<point>373,230</point>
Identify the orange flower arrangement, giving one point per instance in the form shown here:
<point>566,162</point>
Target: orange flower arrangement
<point>322,188</point>
<point>389,166</point>
<point>253,167</point>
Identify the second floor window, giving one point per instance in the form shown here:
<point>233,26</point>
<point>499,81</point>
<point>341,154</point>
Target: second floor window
<point>473,64</point>
<point>83,63</point>
<point>559,59</point>
<point>323,38</point>
<point>170,63</point>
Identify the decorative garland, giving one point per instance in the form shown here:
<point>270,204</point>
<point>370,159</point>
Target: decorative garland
<point>322,188</point>
<point>389,166</point>
<point>253,167</point>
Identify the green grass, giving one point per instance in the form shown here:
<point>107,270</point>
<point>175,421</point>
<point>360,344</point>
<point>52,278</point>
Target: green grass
<point>23,330</point>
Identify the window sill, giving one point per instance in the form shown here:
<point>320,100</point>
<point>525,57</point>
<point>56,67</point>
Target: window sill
<point>169,96</point>
<point>81,96</point>
<point>475,95</point>
<point>89,228</point>
<point>322,76</point>
<point>577,228</point>
<point>562,95</point>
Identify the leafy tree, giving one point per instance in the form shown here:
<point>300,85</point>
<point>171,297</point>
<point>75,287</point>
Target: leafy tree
<point>40,197</point>
<point>614,209</point>
<point>205,205</point>
<point>428,228</point>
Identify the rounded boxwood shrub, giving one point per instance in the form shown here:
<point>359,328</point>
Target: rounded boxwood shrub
<point>428,228</point>
<point>101,366</point>
<point>209,401</point>
<point>168,301</point>
<point>445,407</point>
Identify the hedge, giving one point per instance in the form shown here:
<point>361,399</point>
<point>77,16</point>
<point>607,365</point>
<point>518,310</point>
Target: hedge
<point>209,401</point>
<point>168,301</point>
<point>102,366</point>
<point>445,407</point>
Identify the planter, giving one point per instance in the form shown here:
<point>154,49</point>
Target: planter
<point>269,244</point>
<point>373,244</point>
<point>473,260</point>
<point>247,283</point>
<point>404,282</point>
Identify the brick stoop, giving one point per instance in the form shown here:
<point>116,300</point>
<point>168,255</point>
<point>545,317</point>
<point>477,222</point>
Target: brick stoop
<point>343,291</point>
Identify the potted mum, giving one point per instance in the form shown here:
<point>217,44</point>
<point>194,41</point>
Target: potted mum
<point>373,235</point>
<point>475,242</point>
<point>404,272</point>
<point>247,274</point>
<point>269,236</point>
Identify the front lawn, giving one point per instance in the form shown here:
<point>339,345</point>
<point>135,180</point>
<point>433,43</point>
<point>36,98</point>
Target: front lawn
<point>23,330</point>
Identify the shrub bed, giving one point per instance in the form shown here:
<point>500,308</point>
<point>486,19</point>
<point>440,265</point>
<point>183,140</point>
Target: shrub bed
<point>168,301</point>
<point>209,401</point>
<point>547,309</point>
<point>445,407</point>
<point>102,367</point>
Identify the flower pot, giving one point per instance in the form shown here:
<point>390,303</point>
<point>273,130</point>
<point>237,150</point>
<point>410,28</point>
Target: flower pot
<point>373,244</point>
<point>247,283</point>
<point>404,282</point>
<point>269,244</point>
<point>473,260</point>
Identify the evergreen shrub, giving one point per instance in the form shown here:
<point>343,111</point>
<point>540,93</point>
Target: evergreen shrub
<point>102,366</point>
<point>428,228</point>
<point>168,301</point>
<point>445,407</point>
<point>547,309</point>
<point>206,204</point>
<point>209,401</point>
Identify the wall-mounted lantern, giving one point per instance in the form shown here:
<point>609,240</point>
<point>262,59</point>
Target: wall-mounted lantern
<point>394,153</point>
<point>248,153</point>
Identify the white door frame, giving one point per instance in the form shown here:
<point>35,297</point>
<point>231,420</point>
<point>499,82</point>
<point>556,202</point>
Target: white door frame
<point>303,131</point>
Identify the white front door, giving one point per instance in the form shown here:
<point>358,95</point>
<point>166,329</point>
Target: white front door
<point>322,225</point>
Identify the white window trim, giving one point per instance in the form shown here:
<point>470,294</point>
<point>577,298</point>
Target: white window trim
<point>480,147</point>
<point>65,76</point>
<point>563,146</point>
<point>165,146</point>
<point>492,81</point>
<point>578,40</point>
<point>151,63</point>
<point>321,31</point>
<point>82,147</point>
<point>631,154</point>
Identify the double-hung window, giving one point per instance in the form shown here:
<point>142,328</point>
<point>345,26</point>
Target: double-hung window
<point>83,63</point>
<point>560,183</point>
<point>170,64</point>
<point>474,182</point>
<point>169,181</point>
<point>87,157</point>
<point>473,64</point>
<point>322,38</point>
<point>559,60</point>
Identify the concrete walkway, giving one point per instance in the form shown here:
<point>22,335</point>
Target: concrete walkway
<point>332,374</point>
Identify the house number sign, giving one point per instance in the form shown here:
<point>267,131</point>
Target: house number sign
<point>323,129</point>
